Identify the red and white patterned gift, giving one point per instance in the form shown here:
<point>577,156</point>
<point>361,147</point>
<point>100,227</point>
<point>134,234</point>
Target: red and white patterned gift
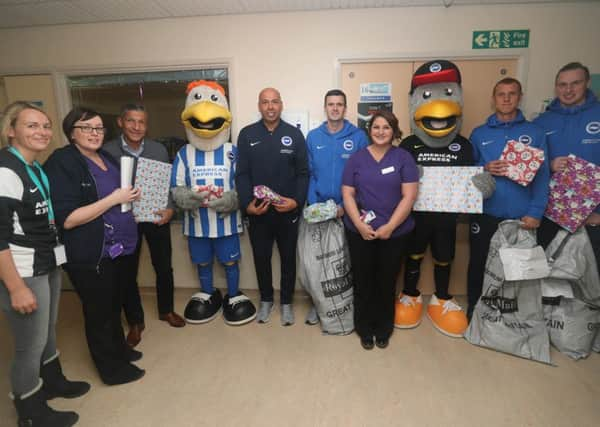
<point>523,161</point>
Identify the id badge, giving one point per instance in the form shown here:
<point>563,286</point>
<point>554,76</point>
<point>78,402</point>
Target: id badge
<point>115,250</point>
<point>60,255</point>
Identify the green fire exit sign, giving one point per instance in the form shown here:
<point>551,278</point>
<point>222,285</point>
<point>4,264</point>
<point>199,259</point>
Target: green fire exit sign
<point>500,39</point>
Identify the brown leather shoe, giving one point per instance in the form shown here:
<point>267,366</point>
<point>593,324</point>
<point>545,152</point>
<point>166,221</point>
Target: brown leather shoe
<point>173,319</point>
<point>135,334</point>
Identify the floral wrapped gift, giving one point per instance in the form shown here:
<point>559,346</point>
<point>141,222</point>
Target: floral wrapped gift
<point>574,193</point>
<point>263,192</point>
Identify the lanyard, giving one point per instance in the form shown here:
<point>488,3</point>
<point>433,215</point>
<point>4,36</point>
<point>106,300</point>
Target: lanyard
<point>44,189</point>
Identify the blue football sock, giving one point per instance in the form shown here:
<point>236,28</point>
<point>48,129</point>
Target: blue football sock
<point>205,275</point>
<point>232,274</point>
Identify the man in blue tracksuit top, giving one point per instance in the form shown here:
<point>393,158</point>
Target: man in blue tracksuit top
<point>510,200</point>
<point>329,147</point>
<point>273,153</point>
<point>572,125</point>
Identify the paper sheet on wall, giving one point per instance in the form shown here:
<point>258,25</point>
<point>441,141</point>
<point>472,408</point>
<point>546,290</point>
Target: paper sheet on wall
<point>153,178</point>
<point>449,189</point>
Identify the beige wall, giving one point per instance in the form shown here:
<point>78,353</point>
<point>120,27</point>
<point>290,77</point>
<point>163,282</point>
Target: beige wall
<point>37,89</point>
<point>300,53</point>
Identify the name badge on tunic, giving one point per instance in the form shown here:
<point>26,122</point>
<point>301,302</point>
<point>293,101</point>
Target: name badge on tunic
<point>387,170</point>
<point>60,255</point>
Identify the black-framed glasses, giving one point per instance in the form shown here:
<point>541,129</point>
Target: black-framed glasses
<point>89,129</point>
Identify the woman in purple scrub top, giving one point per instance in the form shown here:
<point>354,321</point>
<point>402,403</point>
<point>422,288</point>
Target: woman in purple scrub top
<point>379,188</point>
<point>99,239</point>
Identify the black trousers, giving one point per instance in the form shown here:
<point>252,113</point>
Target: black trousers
<point>158,238</point>
<point>100,291</point>
<point>264,230</point>
<point>481,232</point>
<point>375,268</point>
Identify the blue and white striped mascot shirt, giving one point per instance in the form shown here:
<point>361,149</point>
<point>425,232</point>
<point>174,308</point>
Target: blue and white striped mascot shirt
<point>194,167</point>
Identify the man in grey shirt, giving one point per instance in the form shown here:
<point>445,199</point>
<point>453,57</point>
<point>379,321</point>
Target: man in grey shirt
<point>132,142</point>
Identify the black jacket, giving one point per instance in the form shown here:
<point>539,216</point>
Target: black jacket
<point>73,186</point>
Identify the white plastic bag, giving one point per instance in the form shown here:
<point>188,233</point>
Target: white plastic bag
<point>524,263</point>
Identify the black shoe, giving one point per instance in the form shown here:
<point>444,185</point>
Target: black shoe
<point>127,374</point>
<point>56,385</point>
<point>367,343</point>
<point>238,310</point>
<point>133,355</point>
<point>382,342</point>
<point>34,411</point>
<point>203,307</point>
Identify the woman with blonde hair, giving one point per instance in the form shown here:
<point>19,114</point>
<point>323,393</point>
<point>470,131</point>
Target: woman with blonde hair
<point>30,280</point>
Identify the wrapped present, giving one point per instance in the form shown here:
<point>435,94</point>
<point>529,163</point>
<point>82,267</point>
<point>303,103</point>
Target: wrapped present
<point>449,189</point>
<point>214,192</point>
<point>574,193</point>
<point>319,212</point>
<point>367,216</point>
<point>265,193</point>
<point>154,178</point>
<point>523,161</point>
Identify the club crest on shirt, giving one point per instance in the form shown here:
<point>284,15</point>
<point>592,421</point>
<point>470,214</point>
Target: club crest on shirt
<point>230,155</point>
<point>525,139</point>
<point>348,145</point>
<point>454,147</point>
<point>286,140</point>
<point>592,128</point>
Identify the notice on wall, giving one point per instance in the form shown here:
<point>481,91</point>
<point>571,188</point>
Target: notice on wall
<point>376,92</point>
<point>366,110</point>
<point>298,118</point>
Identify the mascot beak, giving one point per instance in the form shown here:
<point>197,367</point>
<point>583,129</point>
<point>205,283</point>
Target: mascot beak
<point>438,118</point>
<point>206,119</point>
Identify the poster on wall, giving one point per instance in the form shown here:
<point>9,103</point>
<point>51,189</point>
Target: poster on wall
<point>376,92</point>
<point>366,110</point>
<point>298,118</point>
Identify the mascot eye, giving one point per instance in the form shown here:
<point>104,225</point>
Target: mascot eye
<point>426,94</point>
<point>214,98</point>
<point>449,91</point>
<point>198,95</point>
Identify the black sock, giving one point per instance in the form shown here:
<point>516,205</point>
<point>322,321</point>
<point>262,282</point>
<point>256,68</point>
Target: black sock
<point>412,271</point>
<point>441,275</point>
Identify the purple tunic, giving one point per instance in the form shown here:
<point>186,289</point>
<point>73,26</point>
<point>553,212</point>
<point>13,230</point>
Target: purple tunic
<point>123,224</point>
<point>378,185</point>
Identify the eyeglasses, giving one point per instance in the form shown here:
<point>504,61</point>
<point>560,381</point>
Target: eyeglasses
<point>89,129</point>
